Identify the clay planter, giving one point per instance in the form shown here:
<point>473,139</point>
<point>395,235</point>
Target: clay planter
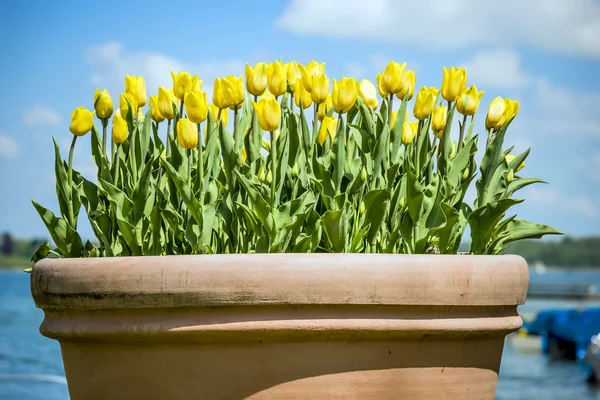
<point>281,326</point>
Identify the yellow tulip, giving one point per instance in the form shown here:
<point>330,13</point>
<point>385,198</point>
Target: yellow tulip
<point>392,79</point>
<point>425,102</point>
<point>320,88</point>
<point>187,133</point>
<point>120,130</point>
<point>408,133</point>
<point>415,127</point>
<point>137,86</point>
<point>218,97</point>
<point>496,116</point>
<point>82,121</point>
<point>324,108</point>
<point>468,101</point>
<point>103,104</point>
<point>329,125</point>
<point>256,78</point>
<point>510,157</point>
<point>233,89</point>
<point>125,107</point>
<point>511,109</point>
<point>368,92</point>
<point>438,119</point>
<point>156,114</point>
<point>276,79</point>
<point>454,83</point>
<point>309,71</point>
<point>196,106</point>
<point>224,118</point>
<point>292,73</point>
<point>344,94</point>
<point>408,85</point>
<point>183,83</point>
<point>380,89</point>
<point>165,103</point>
<point>302,97</point>
<point>268,112</point>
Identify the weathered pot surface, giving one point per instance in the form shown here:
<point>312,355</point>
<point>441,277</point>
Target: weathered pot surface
<point>281,326</point>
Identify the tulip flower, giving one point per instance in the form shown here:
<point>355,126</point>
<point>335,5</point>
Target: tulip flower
<point>454,83</point>
<point>165,103</point>
<point>320,88</point>
<point>408,133</point>
<point>156,114</point>
<point>425,102</point>
<point>233,90</point>
<point>256,78</point>
<point>224,118</point>
<point>344,94</point>
<point>392,78</point>
<point>82,121</point>
<point>187,133</point>
<point>137,86</point>
<point>380,89</point>
<point>408,85</point>
<point>510,157</point>
<point>276,79</point>
<point>368,92</point>
<point>196,106</point>
<point>120,130</point>
<point>128,104</point>
<point>496,116</point>
<point>511,109</point>
<point>324,108</point>
<point>309,71</point>
<point>302,97</point>
<point>268,112</point>
<point>292,73</point>
<point>329,125</point>
<point>218,97</point>
<point>103,104</point>
<point>468,101</point>
<point>183,83</point>
<point>438,119</point>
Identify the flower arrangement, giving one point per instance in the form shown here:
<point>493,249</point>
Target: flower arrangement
<point>362,178</point>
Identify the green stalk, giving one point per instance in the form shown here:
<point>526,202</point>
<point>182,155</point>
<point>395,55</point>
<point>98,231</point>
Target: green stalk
<point>200,171</point>
<point>292,102</point>
<point>462,132</point>
<point>70,179</point>
<point>315,131</point>
<point>273,170</point>
<point>189,171</point>
<point>104,126</point>
<point>415,144</point>
<point>389,110</point>
<point>169,138</point>
<point>181,109</point>
<point>235,130</point>
<point>117,166</point>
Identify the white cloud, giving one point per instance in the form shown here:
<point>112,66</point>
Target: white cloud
<point>9,148</point>
<point>565,27</point>
<point>497,69</point>
<point>583,205</point>
<point>39,115</point>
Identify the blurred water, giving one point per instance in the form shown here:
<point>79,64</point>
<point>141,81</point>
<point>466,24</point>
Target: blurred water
<point>31,366</point>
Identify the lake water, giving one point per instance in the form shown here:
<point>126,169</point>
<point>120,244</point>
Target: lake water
<point>31,366</point>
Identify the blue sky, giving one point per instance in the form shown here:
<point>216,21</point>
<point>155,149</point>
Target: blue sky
<point>544,53</point>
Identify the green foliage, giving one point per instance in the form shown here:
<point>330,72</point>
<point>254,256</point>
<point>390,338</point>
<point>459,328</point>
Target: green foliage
<point>409,199</point>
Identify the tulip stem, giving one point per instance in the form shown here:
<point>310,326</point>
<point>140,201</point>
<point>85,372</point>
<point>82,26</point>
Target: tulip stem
<point>292,102</point>
<point>236,139</point>
<point>273,170</point>
<point>389,110</point>
<point>462,132</point>
<point>489,138</point>
<point>117,165</point>
<point>315,124</point>
<point>200,171</point>
<point>70,179</point>
<point>104,126</point>
<point>181,110</point>
<point>416,144</point>
<point>168,138</point>
<point>189,171</point>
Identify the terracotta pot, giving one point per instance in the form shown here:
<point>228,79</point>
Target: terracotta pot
<point>281,326</point>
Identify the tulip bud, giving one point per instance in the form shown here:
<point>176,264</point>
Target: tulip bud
<point>103,104</point>
<point>187,133</point>
<point>137,86</point>
<point>320,88</point>
<point>496,115</point>
<point>156,114</point>
<point>183,83</point>
<point>219,94</point>
<point>408,85</point>
<point>266,145</point>
<point>196,106</point>
<point>324,108</point>
<point>329,125</point>
<point>468,102</point>
<point>295,170</point>
<point>256,78</point>
<point>466,174</point>
<point>362,208</point>
<point>276,79</point>
<point>425,103</point>
<point>269,177</point>
<point>402,202</point>
<point>302,97</point>
<point>243,156</point>
<point>454,83</point>
<point>309,71</point>
<point>128,104</point>
<point>438,119</point>
<point>510,176</point>
<point>392,79</point>
<point>344,94</point>
<point>292,73</point>
<point>82,121</point>
<point>363,174</point>
<point>163,155</point>
<point>261,174</point>
<point>510,157</point>
<point>268,112</point>
<point>408,133</point>
<point>165,103</point>
<point>233,90</point>
<point>368,92</point>
<point>120,130</point>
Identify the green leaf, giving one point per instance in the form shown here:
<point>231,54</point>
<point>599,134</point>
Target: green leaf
<point>123,209</point>
<point>260,206</point>
<point>66,238</point>
<point>376,202</point>
<point>484,220</point>
<point>339,155</point>
<point>335,227</point>
<point>519,183</point>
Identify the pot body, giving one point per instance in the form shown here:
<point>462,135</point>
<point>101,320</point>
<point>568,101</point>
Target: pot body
<point>281,326</point>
